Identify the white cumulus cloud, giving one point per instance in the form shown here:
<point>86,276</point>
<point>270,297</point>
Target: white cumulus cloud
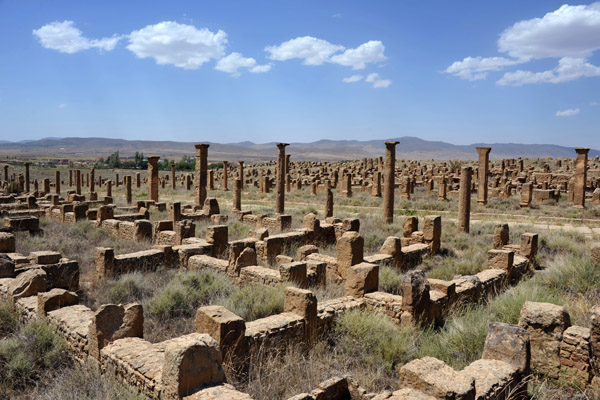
<point>258,69</point>
<point>376,80</point>
<point>314,51</point>
<point>358,58</point>
<point>353,78</point>
<point>570,33</point>
<point>66,38</point>
<point>181,45</point>
<point>476,68</point>
<point>568,69</point>
<point>234,61</point>
<point>568,113</point>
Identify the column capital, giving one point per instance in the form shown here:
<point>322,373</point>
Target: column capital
<point>390,143</point>
<point>153,159</point>
<point>200,147</point>
<point>282,145</point>
<point>483,150</point>
<point>582,150</point>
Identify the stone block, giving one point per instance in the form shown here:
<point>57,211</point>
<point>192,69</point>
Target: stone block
<point>508,343</point>
<point>55,299</point>
<point>28,283</point>
<point>433,377</point>
<point>7,267</point>
<point>392,246</point>
<point>281,259</point>
<point>361,279</point>
<point>305,251</point>
<point>218,236</point>
<point>294,272</point>
<point>529,245</point>
<point>226,328</point>
<point>191,362</point>
<point>501,236</point>
<point>44,257</point>
<point>415,298</point>
<point>545,323</point>
<point>303,303</point>
<point>501,259</point>
<point>410,225</point>
<point>349,251</point>
<point>112,322</point>
<point>7,242</point>
<point>575,355</point>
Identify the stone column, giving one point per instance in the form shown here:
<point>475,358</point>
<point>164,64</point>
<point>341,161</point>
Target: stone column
<point>237,195</point>
<point>389,182</point>
<point>153,177</point>
<point>78,181</point>
<point>6,173</point>
<point>109,188</point>
<point>225,188</point>
<point>242,173</point>
<point>328,201</point>
<point>201,173</point>
<point>280,188</point>
<point>482,174</point>
<point>57,182</point>
<point>46,186</point>
<point>376,189</point>
<point>211,179</point>
<point>442,189</point>
<point>27,177</point>
<point>92,180</point>
<point>580,177</point>
<point>173,183</point>
<point>138,180</point>
<point>128,189</point>
<point>70,178</point>
<point>464,199</point>
<point>287,164</point>
<point>117,180</point>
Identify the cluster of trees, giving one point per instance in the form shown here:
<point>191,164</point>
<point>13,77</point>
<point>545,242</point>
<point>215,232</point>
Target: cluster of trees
<point>113,161</point>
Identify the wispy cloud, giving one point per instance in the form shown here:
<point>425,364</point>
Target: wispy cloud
<point>568,113</point>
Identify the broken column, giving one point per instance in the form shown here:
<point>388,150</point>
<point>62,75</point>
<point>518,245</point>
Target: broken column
<point>280,189</point>
<point>328,201</point>
<point>237,195</point>
<point>78,182</point>
<point>389,182</point>
<point>26,176</point>
<point>442,192</point>
<point>241,173</point>
<point>57,182</point>
<point>128,189</point>
<point>201,173</point>
<point>173,180</point>
<point>92,180</point>
<point>482,174</point>
<point>464,200</point>
<point>153,177</point>
<point>580,177</point>
<point>225,188</point>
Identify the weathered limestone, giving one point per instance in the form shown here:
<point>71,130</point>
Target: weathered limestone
<point>442,190</point>
<point>361,279</point>
<point>529,245</point>
<point>237,195</point>
<point>501,236</point>
<point>482,174</point>
<point>526,194</point>
<point>415,298</point>
<point>28,283</point>
<point>57,182</point>
<point>328,202</point>
<point>464,200</point>
<point>349,251</point>
<point>508,343</point>
<point>7,242</point>
<point>27,177</point>
<point>392,246</point>
<point>280,183</point>
<point>173,178</point>
<point>389,182</point>
<point>241,172</point>
<point>153,178</point>
<point>55,299</point>
<point>432,232</point>
<point>128,199</point>
<point>580,177</point>
<point>201,174</point>
<point>575,354</point>
<point>303,303</point>
<point>545,323</point>
<point>433,377</point>
<point>112,322</point>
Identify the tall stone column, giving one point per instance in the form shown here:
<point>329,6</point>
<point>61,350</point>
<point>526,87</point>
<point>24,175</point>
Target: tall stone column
<point>27,177</point>
<point>117,180</point>
<point>280,184</point>
<point>128,189</point>
<point>464,199</point>
<point>70,178</point>
<point>389,182</point>
<point>109,188</point>
<point>376,189</point>
<point>225,187</point>
<point>211,179</point>
<point>138,180</point>
<point>153,177</point>
<point>6,173</point>
<point>442,189</point>
<point>173,183</point>
<point>580,177</point>
<point>237,195</point>
<point>57,182</point>
<point>78,181</point>
<point>201,173</point>
<point>328,201</point>
<point>287,164</point>
<point>483,170</point>
<point>92,180</point>
<point>242,172</point>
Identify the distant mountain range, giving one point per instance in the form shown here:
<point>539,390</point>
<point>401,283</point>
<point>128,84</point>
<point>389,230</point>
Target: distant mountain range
<point>334,150</point>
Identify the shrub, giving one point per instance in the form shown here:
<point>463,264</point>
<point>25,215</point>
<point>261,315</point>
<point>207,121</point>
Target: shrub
<point>183,295</point>
<point>9,319</point>
<point>389,280</point>
<point>255,301</point>
<point>128,288</point>
<point>365,338</point>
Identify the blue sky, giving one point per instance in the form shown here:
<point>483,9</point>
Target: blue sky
<point>299,71</point>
